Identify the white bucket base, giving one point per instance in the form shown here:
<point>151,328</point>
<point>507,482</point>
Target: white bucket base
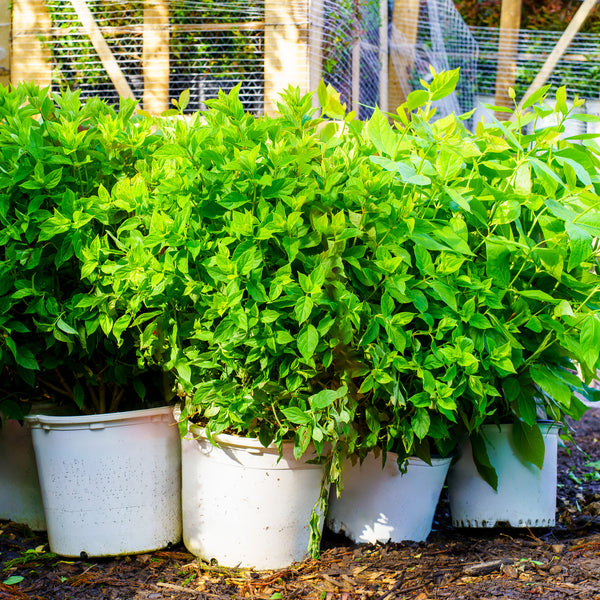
<point>526,495</point>
<point>244,507</point>
<point>381,504</point>
<point>20,494</point>
<point>110,483</point>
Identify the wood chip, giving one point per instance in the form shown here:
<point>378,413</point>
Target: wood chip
<point>487,567</point>
<point>179,588</point>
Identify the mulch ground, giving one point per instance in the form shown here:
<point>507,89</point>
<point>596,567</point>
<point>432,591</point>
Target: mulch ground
<point>562,562</point>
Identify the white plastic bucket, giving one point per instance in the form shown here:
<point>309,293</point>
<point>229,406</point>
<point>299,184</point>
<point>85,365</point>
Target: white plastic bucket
<point>526,495</point>
<point>20,494</point>
<point>242,505</point>
<point>380,504</point>
<point>110,483</point>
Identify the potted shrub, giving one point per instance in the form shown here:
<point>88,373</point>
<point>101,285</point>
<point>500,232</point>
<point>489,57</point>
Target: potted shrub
<point>502,225</point>
<point>238,263</point>
<point>56,153</point>
<point>229,280</point>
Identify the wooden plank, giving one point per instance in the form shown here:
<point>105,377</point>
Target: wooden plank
<point>155,56</point>
<point>30,59</point>
<point>561,46</point>
<point>104,52</point>
<point>138,30</point>
<point>286,49</point>
<point>383,55</point>
<point>405,21</point>
<point>508,46</point>
<point>315,44</point>
<point>4,42</point>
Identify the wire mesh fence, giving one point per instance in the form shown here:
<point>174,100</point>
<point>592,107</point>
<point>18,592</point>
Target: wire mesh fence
<point>443,41</point>
<point>578,69</point>
<point>216,45</point>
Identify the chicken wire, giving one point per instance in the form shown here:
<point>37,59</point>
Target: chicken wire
<point>216,45</point>
<point>444,42</point>
<point>578,69</point>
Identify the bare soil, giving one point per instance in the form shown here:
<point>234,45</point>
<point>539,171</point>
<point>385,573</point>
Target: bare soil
<point>562,562</point>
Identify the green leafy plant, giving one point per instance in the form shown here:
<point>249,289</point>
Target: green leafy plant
<point>231,269</point>
<point>56,152</point>
<point>350,286</point>
<point>502,230</point>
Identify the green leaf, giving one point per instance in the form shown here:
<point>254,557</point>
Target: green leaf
<point>523,180</point>
<point>443,84</point>
<point>79,396</point>
<point>13,580</point>
<point>535,96</point>
<point>283,337</point>
<point>303,308</point>
<point>579,169</point>
<point>415,99</point>
<point>479,321</point>
<point>580,245</point>
<point>324,398</point>
<point>26,359</point>
<point>482,460</point>
<point>561,100</point>
<point>296,415</point>
<point>121,325</point>
<point>546,174</point>
<point>445,292</point>
<point>506,211</point>
<point>307,341</point>
<point>589,339</point>
<point>498,263</point>
<point>551,383</point>
<point>381,134</point>
<point>257,291</point>
<point>184,99</point>
<point>420,422</point>
<point>65,327</point>
<point>529,443</point>
<point>448,164</point>
<point>538,295</point>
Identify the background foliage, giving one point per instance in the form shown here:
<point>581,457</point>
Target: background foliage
<point>545,15</point>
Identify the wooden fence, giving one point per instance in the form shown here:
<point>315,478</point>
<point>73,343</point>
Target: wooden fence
<point>289,57</point>
<point>293,37</point>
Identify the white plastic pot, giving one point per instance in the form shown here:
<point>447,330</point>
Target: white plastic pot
<point>110,483</point>
<point>20,494</point>
<point>242,505</point>
<point>526,495</point>
<point>380,504</point>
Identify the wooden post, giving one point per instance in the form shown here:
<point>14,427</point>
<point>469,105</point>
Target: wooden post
<point>315,44</point>
<point>104,52</point>
<point>383,55</point>
<point>4,42</point>
<point>356,75</point>
<point>155,57</point>
<point>30,59</point>
<point>405,21</point>
<point>508,47</point>
<point>561,46</point>
<point>286,48</point>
